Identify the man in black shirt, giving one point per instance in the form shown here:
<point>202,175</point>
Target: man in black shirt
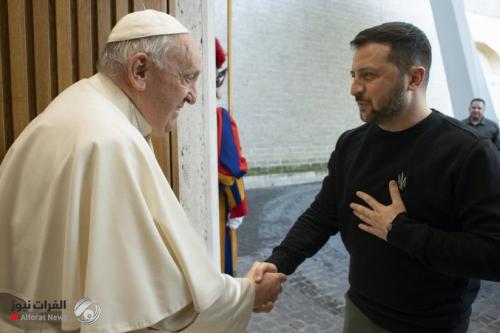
<point>414,194</point>
<point>480,123</point>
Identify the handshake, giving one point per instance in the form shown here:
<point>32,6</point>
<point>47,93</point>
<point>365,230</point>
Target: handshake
<point>267,283</point>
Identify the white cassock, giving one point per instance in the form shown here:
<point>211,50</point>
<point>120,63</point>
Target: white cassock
<point>85,211</point>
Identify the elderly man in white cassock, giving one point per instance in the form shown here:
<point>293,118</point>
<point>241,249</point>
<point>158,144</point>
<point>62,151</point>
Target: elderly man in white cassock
<point>92,238</point>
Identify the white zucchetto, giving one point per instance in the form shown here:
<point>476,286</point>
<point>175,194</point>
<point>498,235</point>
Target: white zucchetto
<point>145,23</point>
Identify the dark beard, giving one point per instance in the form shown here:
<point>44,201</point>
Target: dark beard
<point>393,108</point>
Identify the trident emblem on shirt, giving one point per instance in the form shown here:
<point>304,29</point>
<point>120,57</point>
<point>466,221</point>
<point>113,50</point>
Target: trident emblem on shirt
<point>402,181</point>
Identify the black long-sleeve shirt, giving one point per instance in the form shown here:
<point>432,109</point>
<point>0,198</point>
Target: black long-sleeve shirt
<point>485,128</point>
<point>423,278</point>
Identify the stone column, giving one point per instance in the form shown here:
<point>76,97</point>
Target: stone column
<point>197,131</point>
<point>463,71</point>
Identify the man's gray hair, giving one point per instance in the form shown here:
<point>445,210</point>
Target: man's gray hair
<point>114,57</point>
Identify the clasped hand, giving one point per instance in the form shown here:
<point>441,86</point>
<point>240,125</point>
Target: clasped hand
<point>267,282</point>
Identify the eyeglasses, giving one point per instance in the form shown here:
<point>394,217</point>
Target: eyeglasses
<point>220,78</point>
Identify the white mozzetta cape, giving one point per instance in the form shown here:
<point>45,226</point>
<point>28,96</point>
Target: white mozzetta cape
<point>85,211</point>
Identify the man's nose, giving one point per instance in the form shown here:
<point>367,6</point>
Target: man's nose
<point>356,88</point>
<point>191,95</point>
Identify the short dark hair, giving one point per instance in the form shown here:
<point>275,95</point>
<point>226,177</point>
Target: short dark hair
<point>409,45</point>
<point>477,99</point>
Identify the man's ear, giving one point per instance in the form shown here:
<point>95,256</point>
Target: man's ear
<point>137,69</point>
<point>417,76</point>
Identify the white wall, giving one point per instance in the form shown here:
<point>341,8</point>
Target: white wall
<point>484,29</point>
<point>291,72</point>
<point>197,130</point>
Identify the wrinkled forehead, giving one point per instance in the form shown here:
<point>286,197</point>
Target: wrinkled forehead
<point>184,52</point>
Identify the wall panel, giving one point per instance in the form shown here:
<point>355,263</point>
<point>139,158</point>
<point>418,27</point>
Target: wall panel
<point>5,97</point>
<point>19,63</point>
<point>44,54</point>
<point>47,45</point>
<point>64,44</point>
<point>85,32</point>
